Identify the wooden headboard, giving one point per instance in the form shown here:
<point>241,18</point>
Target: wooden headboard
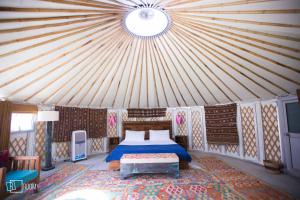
<point>146,126</point>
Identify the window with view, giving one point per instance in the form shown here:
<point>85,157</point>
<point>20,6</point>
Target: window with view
<point>22,122</point>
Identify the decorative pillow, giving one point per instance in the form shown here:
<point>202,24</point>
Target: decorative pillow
<point>134,136</point>
<point>4,158</point>
<point>159,135</point>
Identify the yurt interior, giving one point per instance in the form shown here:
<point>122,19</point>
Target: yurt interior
<point>149,99</point>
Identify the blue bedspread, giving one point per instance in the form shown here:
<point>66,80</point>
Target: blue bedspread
<point>118,152</point>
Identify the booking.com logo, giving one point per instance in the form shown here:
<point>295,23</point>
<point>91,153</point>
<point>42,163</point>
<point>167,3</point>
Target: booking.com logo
<point>14,186</point>
<point>17,186</point>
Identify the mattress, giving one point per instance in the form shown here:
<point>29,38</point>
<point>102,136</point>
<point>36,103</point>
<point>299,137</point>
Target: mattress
<point>148,147</point>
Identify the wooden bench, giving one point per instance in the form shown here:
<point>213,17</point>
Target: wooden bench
<point>149,163</point>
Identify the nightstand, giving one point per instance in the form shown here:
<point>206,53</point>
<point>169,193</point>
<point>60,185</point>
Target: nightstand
<point>182,140</point>
<point>113,142</point>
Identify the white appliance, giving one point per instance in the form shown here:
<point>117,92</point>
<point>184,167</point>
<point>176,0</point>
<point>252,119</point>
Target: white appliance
<point>79,145</point>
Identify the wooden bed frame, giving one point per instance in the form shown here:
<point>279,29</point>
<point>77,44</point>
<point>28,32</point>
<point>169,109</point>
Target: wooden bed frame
<point>146,126</point>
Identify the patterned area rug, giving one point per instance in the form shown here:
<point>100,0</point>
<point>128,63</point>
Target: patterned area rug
<point>215,180</point>
<point>63,174</point>
<point>246,185</point>
<point>193,184</point>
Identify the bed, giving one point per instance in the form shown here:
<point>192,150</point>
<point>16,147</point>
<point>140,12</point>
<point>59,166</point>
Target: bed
<point>147,146</point>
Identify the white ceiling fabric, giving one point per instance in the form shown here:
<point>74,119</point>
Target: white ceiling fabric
<point>76,53</point>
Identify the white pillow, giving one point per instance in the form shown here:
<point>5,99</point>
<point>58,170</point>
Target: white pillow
<point>134,136</point>
<point>159,135</point>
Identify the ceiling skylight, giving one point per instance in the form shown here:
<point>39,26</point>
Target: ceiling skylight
<point>147,22</point>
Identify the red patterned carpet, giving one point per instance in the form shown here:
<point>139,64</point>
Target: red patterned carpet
<point>246,185</point>
<point>217,180</point>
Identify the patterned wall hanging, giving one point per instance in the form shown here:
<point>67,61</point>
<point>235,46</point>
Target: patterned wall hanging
<point>94,121</point>
<point>221,127</point>
<point>146,113</point>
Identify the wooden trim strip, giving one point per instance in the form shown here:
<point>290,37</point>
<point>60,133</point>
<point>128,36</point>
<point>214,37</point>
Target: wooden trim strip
<point>126,51</point>
<point>209,33</point>
<point>252,62</point>
<point>96,25</point>
<point>178,44</point>
<point>222,69</point>
<point>43,19</point>
<point>133,52</point>
<point>86,4</point>
<point>153,55</point>
<point>95,41</point>
<point>216,30</point>
<point>134,75</point>
<point>52,50</point>
<point>32,10</point>
<point>248,30</point>
<point>248,69</point>
<point>241,21</point>
<point>23,108</point>
<point>207,67</point>
<point>112,62</point>
<point>192,10</point>
<point>130,72</point>
<point>206,47</point>
<point>200,94</point>
<point>42,35</point>
<point>233,3</point>
<point>99,56</point>
<point>63,65</point>
<point>27,28</point>
<point>41,66</point>
<point>99,65</point>
<point>161,55</point>
<point>153,74</point>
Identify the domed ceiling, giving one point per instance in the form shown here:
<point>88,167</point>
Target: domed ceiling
<point>77,52</point>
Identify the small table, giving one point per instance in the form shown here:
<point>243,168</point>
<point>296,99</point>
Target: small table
<point>149,163</point>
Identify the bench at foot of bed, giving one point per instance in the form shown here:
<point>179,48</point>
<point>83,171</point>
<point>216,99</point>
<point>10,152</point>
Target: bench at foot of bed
<point>115,165</point>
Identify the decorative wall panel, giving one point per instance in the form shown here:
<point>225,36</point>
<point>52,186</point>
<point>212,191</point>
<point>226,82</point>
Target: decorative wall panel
<point>232,148</point>
<point>182,128</point>
<point>248,131</point>
<point>40,140</point>
<point>112,129</point>
<point>168,115</point>
<point>97,145</point>
<point>18,144</point>
<point>125,117</point>
<point>214,148</point>
<point>62,150</point>
<point>197,137</point>
<point>271,132</point>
